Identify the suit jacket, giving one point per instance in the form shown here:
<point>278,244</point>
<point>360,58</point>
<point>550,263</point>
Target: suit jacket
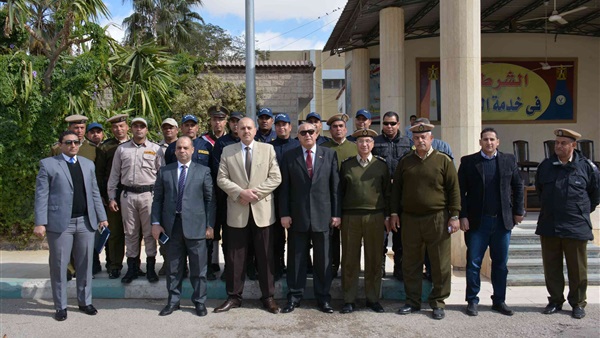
<point>310,203</point>
<point>198,209</point>
<point>54,194</point>
<point>471,181</point>
<point>265,177</point>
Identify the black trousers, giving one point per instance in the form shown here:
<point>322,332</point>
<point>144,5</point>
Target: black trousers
<point>236,258</point>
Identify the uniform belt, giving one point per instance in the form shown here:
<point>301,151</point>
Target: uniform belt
<point>139,189</point>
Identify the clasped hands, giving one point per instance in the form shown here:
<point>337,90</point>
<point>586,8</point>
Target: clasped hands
<point>248,196</point>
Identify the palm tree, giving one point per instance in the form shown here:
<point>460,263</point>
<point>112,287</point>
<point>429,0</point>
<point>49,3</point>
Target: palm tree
<point>170,23</point>
<point>143,80</point>
<point>55,27</point>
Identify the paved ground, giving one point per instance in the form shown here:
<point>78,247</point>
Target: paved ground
<point>139,318</point>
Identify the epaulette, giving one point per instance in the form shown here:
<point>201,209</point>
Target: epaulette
<point>592,164</point>
<point>443,153</point>
<point>349,158</point>
<point>379,158</point>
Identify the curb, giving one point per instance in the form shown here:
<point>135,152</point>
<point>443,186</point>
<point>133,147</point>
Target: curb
<point>104,288</point>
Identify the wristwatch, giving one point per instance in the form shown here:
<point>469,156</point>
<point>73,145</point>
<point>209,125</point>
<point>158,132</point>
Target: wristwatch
<point>454,217</point>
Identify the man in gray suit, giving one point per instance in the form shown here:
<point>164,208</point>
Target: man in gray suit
<point>68,207</point>
<point>184,208</point>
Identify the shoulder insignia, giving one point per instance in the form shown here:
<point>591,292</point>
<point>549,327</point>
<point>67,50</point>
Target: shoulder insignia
<point>379,158</point>
<point>443,153</point>
<point>592,164</point>
<point>349,158</point>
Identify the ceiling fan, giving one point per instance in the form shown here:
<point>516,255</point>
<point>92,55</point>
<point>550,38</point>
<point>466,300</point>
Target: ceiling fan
<point>555,16</point>
<point>545,65</point>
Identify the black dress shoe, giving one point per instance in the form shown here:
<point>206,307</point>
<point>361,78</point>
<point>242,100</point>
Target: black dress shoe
<point>472,309</point>
<point>408,309</point>
<point>229,304</point>
<point>60,315</point>
<point>201,310</point>
<point>114,273</point>
<point>348,308</point>
<point>88,309</point>
<point>438,313</point>
<point>503,309</point>
<point>578,312</point>
<point>325,307</point>
<point>375,307</point>
<point>167,310</point>
<point>290,306</point>
<point>552,308</point>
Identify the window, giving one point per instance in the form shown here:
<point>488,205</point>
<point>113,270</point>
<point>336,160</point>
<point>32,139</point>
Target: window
<point>333,84</point>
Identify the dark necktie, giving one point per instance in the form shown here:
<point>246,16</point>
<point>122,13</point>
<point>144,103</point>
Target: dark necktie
<point>248,161</point>
<point>180,187</point>
<point>309,164</point>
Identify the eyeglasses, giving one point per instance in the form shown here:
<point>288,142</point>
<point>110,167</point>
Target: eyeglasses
<point>390,123</point>
<point>72,142</point>
<point>309,132</point>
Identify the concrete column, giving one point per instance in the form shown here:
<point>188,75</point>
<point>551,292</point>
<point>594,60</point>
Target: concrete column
<point>391,55</point>
<point>360,80</point>
<point>460,66</point>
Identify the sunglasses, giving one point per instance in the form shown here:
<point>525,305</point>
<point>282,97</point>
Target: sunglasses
<point>72,142</point>
<point>390,123</point>
<point>309,132</point>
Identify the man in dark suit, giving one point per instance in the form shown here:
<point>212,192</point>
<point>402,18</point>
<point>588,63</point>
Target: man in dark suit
<point>309,206</point>
<point>248,174</point>
<point>491,193</point>
<point>184,208</point>
<point>68,207</point>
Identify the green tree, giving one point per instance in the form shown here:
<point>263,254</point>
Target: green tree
<point>55,27</point>
<point>143,81</point>
<point>170,23</point>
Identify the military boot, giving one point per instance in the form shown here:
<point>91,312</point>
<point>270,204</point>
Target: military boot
<point>132,271</point>
<point>150,271</point>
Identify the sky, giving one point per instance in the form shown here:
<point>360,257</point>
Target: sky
<point>279,24</point>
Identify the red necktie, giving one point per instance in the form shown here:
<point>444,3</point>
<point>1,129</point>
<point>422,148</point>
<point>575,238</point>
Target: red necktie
<point>309,164</point>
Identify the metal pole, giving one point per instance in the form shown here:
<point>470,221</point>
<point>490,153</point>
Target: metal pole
<point>250,62</point>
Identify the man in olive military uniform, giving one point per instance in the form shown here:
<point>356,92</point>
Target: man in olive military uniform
<point>425,205</point>
<point>135,166</point>
<point>392,146</point>
<point>568,185</point>
<point>265,132</point>
<point>365,191</point>
<point>115,249</point>
<point>344,149</point>
<point>77,125</point>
